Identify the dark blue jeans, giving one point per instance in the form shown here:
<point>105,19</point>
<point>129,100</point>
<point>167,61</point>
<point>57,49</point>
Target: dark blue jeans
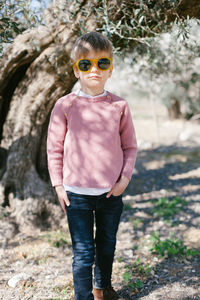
<point>88,247</point>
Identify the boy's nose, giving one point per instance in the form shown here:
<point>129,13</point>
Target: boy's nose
<point>94,67</point>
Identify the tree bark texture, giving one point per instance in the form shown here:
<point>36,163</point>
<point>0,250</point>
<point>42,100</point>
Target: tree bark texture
<point>189,8</point>
<point>34,72</point>
<point>28,94</point>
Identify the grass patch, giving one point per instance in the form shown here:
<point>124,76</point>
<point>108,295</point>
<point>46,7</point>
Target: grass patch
<point>132,285</point>
<point>120,259</point>
<point>136,275</point>
<point>136,223</point>
<point>64,292</point>
<point>166,208</point>
<point>141,268</point>
<point>127,206</point>
<point>58,239</point>
<point>169,247</point>
<point>4,212</point>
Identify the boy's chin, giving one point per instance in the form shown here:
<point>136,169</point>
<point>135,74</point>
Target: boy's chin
<point>94,79</point>
<point>95,84</point>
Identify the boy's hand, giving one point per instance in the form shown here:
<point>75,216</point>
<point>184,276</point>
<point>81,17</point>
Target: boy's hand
<point>62,196</point>
<point>119,187</point>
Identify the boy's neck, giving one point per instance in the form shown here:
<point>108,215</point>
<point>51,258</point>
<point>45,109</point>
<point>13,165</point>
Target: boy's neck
<point>81,93</point>
<point>92,93</point>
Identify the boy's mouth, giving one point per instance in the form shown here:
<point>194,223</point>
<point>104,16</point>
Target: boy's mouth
<point>94,77</point>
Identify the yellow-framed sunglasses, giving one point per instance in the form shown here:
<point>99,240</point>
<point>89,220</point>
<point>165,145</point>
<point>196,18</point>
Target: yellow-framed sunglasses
<point>85,64</point>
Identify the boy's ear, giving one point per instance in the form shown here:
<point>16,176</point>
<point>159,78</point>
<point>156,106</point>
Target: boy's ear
<point>76,72</point>
<point>110,71</point>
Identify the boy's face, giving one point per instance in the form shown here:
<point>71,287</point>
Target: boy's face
<point>93,81</point>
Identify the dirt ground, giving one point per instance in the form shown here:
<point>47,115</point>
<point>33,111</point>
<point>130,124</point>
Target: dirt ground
<point>168,167</point>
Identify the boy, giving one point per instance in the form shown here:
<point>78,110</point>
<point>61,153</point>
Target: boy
<point>91,149</point>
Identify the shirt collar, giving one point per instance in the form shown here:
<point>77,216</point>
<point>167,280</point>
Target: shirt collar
<point>82,94</point>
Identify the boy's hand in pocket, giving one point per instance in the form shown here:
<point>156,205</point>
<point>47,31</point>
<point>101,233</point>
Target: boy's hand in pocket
<point>62,196</point>
<point>119,187</point>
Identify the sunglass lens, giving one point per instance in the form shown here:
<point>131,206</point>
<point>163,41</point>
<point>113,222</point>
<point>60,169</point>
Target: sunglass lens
<point>84,65</point>
<point>104,63</point>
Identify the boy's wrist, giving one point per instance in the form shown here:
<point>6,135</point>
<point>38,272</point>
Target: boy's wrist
<point>124,181</point>
<point>58,187</point>
<point>124,178</point>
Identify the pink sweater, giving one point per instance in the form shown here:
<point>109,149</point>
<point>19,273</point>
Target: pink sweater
<point>91,141</point>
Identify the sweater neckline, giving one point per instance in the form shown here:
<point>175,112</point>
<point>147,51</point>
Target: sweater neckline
<point>106,98</point>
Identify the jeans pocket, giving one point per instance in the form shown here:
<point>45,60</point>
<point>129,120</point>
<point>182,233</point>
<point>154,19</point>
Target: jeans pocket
<point>78,201</point>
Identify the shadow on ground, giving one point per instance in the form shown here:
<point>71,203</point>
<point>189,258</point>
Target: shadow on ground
<point>174,169</point>
<point>156,167</point>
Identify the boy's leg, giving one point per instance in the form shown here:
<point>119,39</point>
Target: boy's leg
<point>107,221</point>
<point>81,221</point>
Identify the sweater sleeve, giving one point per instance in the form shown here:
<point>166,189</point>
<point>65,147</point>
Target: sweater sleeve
<point>128,142</point>
<point>55,143</point>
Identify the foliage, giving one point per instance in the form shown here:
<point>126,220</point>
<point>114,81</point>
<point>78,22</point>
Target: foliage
<point>8,30</point>
<point>64,291</point>
<point>127,206</point>
<point>126,23</point>
<point>173,63</point>
<point>137,269</point>
<point>169,247</point>
<point>15,17</point>
<point>167,208</point>
<point>142,269</point>
<point>136,223</point>
<point>132,284</point>
<point>167,68</point>
<point>58,239</point>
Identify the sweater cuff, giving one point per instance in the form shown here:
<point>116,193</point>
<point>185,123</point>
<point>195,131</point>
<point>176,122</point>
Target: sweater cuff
<point>127,174</point>
<point>56,182</point>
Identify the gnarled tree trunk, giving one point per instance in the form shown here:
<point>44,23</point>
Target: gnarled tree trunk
<point>35,72</point>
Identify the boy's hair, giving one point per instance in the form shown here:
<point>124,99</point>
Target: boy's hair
<point>96,40</point>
